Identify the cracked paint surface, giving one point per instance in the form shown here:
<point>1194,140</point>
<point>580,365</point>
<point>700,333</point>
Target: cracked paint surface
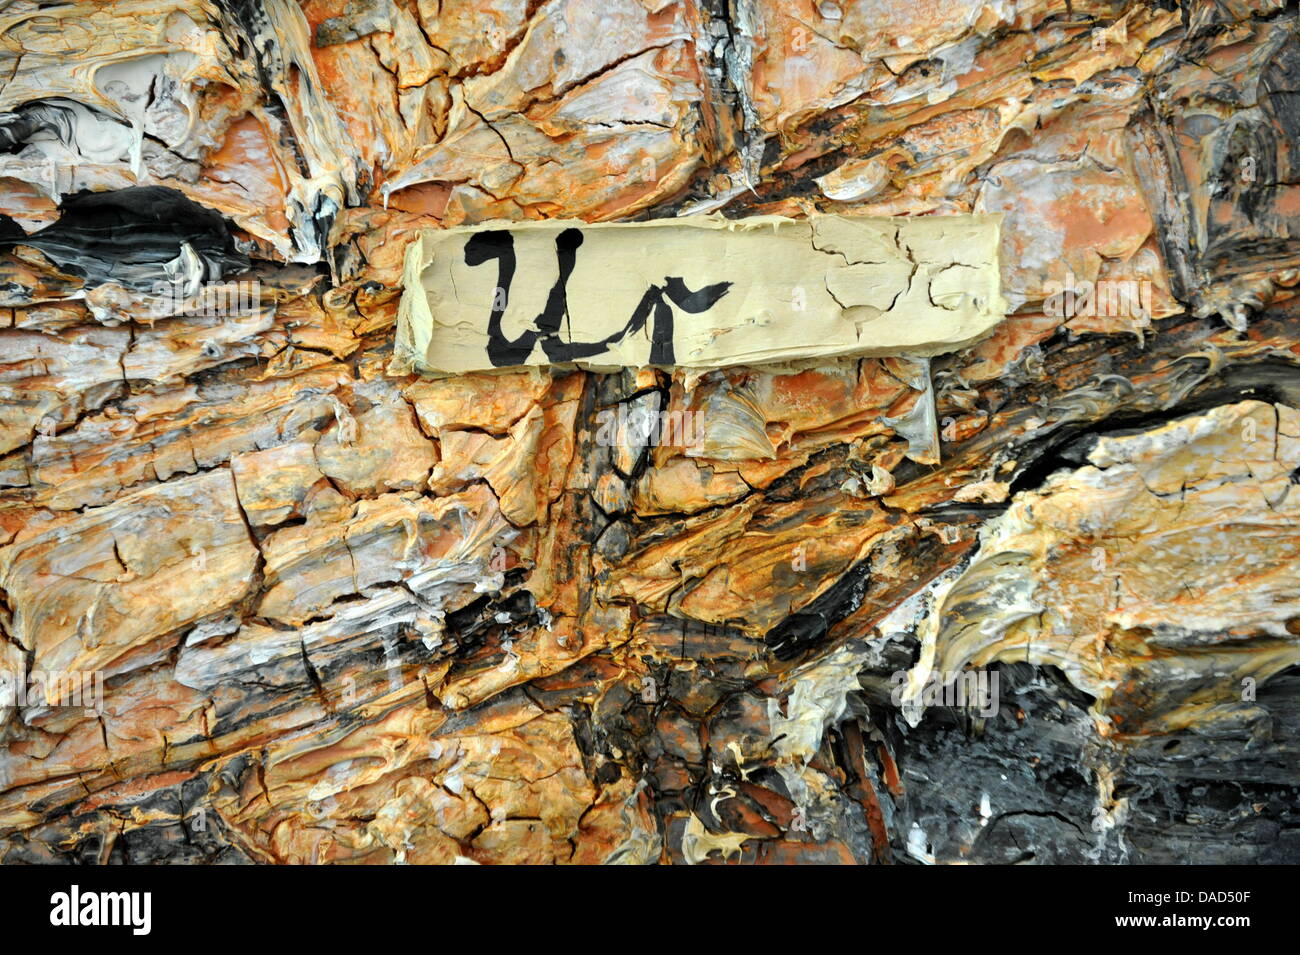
<point>346,612</point>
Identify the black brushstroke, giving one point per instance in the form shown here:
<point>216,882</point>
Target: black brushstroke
<point>20,126</point>
<point>503,352</point>
<point>128,236</point>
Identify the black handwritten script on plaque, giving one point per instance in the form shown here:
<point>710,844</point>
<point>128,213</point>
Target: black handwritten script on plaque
<point>696,292</point>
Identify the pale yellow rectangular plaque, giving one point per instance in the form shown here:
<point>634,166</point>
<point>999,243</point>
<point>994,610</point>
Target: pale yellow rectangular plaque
<point>696,292</point>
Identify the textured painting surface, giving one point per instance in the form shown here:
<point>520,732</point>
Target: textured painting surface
<point>884,447</point>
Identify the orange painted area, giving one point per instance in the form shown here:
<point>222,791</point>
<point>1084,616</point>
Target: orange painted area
<point>425,199</point>
<point>22,200</point>
<point>246,161</point>
<point>135,787</point>
<point>892,779</point>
